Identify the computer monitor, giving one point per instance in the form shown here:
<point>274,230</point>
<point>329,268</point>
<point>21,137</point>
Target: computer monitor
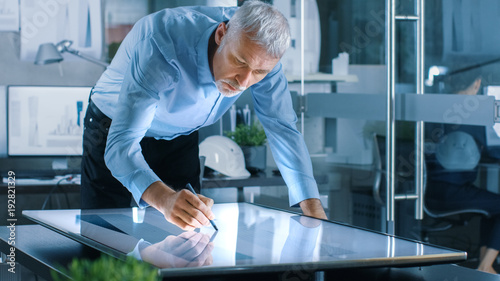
<point>46,120</point>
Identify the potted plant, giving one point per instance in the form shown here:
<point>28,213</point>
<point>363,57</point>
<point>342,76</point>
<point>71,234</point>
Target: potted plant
<point>107,268</point>
<point>252,140</point>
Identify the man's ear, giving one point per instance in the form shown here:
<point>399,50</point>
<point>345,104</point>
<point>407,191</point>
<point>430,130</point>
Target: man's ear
<point>220,32</point>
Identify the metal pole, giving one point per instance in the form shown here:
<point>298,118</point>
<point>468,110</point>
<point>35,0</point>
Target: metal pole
<point>302,65</point>
<point>419,129</point>
<point>391,94</point>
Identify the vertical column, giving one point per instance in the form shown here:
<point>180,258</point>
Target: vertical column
<point>302,54</point>
<point>390,125</point>
<point>419,133</point>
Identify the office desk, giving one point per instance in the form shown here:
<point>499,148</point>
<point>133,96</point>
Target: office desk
<point>251,239</point>
<point>42,250</point>
<point>263,178</point>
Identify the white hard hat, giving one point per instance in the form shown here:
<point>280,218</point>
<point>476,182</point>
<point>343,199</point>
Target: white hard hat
<point>458,151</point>
<point>223,155</point>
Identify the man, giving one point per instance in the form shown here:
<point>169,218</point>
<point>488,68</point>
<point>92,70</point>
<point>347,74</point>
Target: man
<point>453,171</point>
<point>177,71</point>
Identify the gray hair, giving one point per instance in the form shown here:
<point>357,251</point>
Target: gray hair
<point>263,24</point>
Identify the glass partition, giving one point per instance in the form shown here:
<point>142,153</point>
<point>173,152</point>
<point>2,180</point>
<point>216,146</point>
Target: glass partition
<point>460,72</point>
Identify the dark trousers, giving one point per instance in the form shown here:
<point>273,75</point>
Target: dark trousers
<point>176,162</point>
<point>443,196</point>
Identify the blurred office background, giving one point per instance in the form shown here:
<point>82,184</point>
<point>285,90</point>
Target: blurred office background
<point>460,37</point>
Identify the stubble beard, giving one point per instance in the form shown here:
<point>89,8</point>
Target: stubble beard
<point>227,92</point>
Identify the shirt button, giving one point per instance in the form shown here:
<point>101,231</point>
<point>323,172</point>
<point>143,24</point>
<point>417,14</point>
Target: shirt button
<point>90,120</point>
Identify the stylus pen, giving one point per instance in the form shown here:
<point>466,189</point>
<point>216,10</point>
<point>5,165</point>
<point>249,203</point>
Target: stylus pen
<point>213,236</point>
<point>188,186</point>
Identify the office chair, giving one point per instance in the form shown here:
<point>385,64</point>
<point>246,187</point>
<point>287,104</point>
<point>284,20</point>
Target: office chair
<point>442,220</point>
<point>445,220</point>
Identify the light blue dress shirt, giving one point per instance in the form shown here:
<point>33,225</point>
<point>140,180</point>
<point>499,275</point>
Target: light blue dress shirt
<point>159,85</point>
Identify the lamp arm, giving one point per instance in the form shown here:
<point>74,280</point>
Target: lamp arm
<point>474,66</point>
<point>79,54</point>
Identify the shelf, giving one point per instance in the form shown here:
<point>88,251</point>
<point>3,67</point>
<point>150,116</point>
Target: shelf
<point>322,77</point>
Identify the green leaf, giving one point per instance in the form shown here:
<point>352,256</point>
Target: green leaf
<point>245,135</point>
<point>107,268</point>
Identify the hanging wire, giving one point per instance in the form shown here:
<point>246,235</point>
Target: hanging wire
<point>58,184</point>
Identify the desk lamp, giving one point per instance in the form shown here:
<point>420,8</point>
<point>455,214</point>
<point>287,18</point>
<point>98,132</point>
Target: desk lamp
<point>50,53</point>
<point>435,70</point>
<point>437,73</point>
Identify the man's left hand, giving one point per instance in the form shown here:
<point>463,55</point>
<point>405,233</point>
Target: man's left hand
<point>313,208</point>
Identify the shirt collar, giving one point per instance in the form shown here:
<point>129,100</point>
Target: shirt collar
<point>204,74</point>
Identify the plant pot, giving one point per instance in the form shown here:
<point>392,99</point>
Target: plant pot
<point>255,157</point>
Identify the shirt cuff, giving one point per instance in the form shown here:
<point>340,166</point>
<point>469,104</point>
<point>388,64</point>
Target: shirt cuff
<point>301,191</point>
<point>139,183</point>
<point>136,253</point>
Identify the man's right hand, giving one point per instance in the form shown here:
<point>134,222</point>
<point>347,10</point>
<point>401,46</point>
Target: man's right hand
<point>189,249</point>
<point>181,208</point>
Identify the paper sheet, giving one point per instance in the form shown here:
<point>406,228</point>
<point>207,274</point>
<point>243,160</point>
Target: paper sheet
<point>494,91</point>
<point>9,15</point>
<point>53,21</point>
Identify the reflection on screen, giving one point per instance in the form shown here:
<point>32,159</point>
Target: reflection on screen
<point>249,236</point>
<point>46,120</point>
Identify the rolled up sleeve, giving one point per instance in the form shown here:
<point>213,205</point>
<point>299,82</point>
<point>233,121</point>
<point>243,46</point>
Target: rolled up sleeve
<point>273,106</point>
<point>133,115</point>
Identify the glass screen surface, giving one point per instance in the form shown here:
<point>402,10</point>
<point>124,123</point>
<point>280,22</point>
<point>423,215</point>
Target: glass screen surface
<point>250,237</point>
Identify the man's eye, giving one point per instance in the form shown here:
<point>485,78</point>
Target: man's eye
<point>260,72</point>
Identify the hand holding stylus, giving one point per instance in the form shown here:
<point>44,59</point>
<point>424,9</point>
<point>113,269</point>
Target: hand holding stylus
<point>182,208</point>
<point>194,192</point>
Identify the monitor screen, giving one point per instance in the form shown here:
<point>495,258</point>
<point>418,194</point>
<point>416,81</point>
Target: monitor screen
<point>46,120</point>
<point>250,239</point>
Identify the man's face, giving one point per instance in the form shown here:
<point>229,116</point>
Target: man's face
<point>239,64</point>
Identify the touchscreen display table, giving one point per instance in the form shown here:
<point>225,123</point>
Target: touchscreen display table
<point>251,239</point>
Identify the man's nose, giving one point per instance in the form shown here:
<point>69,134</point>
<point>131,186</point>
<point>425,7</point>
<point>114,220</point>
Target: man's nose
<point>244,78</point>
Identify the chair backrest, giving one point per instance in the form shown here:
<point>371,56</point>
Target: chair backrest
<point>377,165</point>
<point>404,166</point>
